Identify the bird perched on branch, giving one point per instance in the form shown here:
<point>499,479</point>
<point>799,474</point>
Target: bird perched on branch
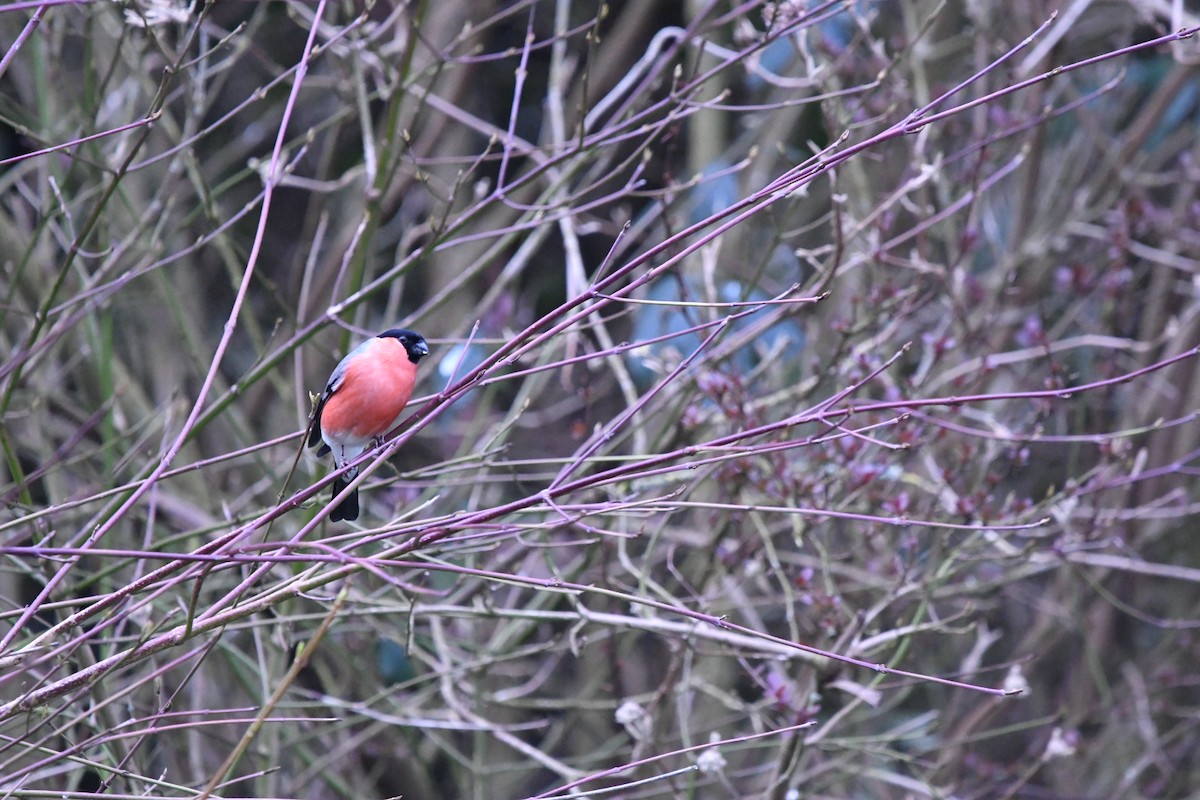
<point>361,401</point>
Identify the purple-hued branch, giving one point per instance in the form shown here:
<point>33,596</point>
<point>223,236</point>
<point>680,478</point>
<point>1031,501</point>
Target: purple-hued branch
<point>25,33</point>
<point>148,120</point>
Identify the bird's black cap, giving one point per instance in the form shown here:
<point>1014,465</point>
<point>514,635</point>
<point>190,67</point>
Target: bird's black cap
<point>413,342</point>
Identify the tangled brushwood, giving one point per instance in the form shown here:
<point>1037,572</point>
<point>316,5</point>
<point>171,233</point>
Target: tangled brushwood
<point>810,407</point>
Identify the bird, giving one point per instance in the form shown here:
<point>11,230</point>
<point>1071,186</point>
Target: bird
<point>366,392</point>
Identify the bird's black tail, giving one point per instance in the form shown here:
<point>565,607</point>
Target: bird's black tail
<point>348,508</point>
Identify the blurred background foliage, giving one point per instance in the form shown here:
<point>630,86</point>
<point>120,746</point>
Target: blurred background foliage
<point>453,165</point>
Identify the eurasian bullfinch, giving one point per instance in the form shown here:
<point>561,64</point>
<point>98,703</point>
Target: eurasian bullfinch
<point>365,394</point>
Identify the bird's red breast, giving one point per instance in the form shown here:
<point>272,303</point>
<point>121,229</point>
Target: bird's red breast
<point>377,385</point>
